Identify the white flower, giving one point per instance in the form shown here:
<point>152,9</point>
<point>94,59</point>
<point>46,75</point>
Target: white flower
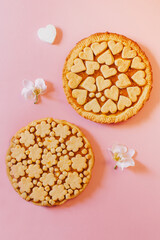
<point>33,90</point>
<point>122,157</point>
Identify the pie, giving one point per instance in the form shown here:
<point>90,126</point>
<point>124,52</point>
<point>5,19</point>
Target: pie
<point>107,78</point>
<point>49,161</point>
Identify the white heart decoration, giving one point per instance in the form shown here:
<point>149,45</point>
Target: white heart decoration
<point>47,34</point>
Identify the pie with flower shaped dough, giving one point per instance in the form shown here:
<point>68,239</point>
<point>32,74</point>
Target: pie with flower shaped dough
<point>107,78</point>
<point>50,161</point>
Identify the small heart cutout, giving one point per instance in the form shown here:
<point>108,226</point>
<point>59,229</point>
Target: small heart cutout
<point>78,66</point>
<point>98,47</point>
<point>87,54</point>
<point>128,53</point>
<point>91,67</point>
<point>74,79</point>
<point>106,58</point>
<point>137,63</point>
<point>47,34</point>
<point>138,78</point>
<point>115,47</point>
<point>112,93</point>
<point>123,102</point>
<point>133,92</point>
<point>122,64</point>
<point>102,84</point>
<point>123,81</point>
<point>80,95</point>
<point>89,84</point>
<point>109,106</point>
<point>93,105</point>
<point>108,72</point>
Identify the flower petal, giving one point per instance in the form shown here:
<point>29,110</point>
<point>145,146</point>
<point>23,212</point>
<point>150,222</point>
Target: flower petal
<point>125,162</point>
<point>117,148</point>
<point>40,84</point>
<point>131,152</point>
<point>27,93</point>
<point>28,84</point>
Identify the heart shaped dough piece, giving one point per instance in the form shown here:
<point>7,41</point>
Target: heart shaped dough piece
<point>123,102</point>
<point>74,79</point>
<point>109,106</point>
<point>78,66</point>
<point>87,54</point>
<point>89,84</point>
<point>108,72</point>
<point>102,84</point>
<point>115,47</point>
<point>91,67</point>
<point>98,47</point>
<point>47,34</point>
<point>133,92</point>
<point>80,95</point>
<point>128,53</point>
<point>123,81</point>
<point>138,78</point>
<point>122,64</point>
<point>137,63</point>
<point>106,58</point>
<point>93,106</point>
<point>112,93</point>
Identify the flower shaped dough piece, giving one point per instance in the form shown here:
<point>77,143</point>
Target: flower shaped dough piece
<point>34,171</point>
<point>58,192</point>
<point>38,194</point>
<point>18,170</point>
<point>18,153</point>
<point>49,159</point>
<point>48,179</point>
<point>74,180</point>
<point>43,129</point>
<point>62,131</point>
<point>27,138</point>
<point>35,152</point>
<point>122,157</point>
<point>79,163</point>
<point>74,143</point>
<point>64,163</point>
<point>50,143</point>
<point>25,184</point>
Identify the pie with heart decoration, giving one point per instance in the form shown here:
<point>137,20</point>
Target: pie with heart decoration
<point>107,78</point>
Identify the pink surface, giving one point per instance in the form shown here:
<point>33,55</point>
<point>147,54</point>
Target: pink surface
<point>116,205</point>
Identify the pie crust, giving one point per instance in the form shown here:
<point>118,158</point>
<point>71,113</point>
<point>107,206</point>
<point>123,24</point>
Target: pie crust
<point>49,161</point>
<point>107,78</point>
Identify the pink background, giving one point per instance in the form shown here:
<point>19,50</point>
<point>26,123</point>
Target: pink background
<point>116,205</point>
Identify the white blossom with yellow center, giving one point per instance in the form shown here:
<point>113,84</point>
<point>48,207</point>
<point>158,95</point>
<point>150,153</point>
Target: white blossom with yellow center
<point>33,90</point>
<point>122,156</point>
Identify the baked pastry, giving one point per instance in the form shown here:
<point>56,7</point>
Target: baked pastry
<point>107,78</point>
<point>49,161</point>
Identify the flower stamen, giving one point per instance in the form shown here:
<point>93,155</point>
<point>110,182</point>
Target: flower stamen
<point>36,92</point>
<point>116,157</point>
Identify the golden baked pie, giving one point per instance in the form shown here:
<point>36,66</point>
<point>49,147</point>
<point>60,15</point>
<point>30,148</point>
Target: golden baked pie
<point>107,78</point>
<point>49,161</point>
